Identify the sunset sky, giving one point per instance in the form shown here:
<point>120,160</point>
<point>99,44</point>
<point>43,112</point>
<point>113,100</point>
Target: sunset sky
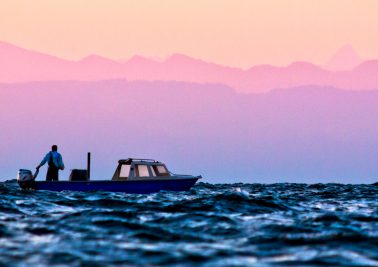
<point>237,33</point>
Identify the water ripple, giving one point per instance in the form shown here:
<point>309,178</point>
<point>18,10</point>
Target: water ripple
<point>211,225</point>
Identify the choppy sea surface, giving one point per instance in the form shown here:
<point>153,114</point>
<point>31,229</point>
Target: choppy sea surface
<point>210,225</point>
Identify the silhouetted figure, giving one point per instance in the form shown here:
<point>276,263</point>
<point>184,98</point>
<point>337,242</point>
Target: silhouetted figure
<point>55,162</point>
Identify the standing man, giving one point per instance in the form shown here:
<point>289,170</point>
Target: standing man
<point>55,162</point>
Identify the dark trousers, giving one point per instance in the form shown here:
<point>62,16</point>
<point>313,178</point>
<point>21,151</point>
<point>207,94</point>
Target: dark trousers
<point>52,174</point>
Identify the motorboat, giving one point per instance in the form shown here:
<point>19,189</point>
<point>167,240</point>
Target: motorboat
<point>132,175</point>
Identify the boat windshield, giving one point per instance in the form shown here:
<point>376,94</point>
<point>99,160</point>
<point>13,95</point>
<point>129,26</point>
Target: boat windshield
<point>160,170</point>
<point>141,171</point>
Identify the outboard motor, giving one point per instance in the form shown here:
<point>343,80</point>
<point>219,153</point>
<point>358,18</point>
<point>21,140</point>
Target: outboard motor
<point>25,178</point>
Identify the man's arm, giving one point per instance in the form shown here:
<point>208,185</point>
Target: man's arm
<point>60,162</point>
<point>43,162</point>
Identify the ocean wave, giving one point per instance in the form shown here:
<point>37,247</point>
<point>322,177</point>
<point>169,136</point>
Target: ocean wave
<point>210,225</point>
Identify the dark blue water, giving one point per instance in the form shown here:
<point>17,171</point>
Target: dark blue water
<point>211,225</point>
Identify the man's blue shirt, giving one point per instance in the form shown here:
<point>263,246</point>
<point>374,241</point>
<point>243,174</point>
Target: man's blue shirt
<point>57,159</point>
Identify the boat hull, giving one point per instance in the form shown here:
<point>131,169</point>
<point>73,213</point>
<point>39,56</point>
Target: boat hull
<point>131,187</point>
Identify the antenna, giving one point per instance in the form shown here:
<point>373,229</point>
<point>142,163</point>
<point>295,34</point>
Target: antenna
<point>89,166</point>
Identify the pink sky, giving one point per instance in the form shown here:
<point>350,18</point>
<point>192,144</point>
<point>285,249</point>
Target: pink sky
<point>238,33</point>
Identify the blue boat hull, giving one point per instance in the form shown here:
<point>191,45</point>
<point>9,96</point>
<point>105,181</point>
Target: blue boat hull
<point>131,187</point>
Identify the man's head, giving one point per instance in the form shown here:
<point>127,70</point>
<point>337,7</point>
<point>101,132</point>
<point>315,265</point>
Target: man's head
<point>54,148</point>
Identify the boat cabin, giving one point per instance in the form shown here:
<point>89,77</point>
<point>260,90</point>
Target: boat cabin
<point>140,169</point>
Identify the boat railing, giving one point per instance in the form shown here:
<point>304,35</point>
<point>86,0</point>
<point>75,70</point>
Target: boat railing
<point>183,175</point>
<point>137,159</point>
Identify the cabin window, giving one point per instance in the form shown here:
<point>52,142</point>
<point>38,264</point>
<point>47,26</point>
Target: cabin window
<point>160,170</point>
<point>125,171</point>
<point>152,171</point>
<point>142,171</point>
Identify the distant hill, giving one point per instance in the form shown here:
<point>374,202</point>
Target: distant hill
<point>303,134</point>
<point>346,58</point>
<point>21,65</point>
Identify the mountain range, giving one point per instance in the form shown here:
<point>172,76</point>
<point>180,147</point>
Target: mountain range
<point>22,65</point>
<point>306,134</point>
